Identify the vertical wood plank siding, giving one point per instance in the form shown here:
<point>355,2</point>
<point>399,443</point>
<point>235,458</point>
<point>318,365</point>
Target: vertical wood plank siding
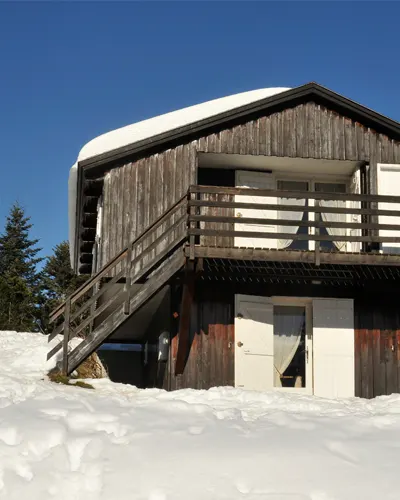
<point>210,359</point>
<point>137,193</point>
<point>377,347</point>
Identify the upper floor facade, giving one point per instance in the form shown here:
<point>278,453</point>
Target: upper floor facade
<point>281,174</point>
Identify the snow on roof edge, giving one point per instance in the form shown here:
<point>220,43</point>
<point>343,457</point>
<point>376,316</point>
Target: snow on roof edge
<point>130,134</point>
<point>151,127</point>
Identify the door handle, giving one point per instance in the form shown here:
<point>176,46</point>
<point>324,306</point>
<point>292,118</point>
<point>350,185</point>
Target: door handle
<point>239,344</point>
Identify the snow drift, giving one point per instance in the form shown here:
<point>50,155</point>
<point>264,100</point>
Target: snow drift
<point>118,442</point>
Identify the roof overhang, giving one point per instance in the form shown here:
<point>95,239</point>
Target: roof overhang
<point>282,100</point>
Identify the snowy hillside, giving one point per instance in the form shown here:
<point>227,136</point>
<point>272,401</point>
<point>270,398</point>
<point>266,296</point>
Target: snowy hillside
<point>120,443</point>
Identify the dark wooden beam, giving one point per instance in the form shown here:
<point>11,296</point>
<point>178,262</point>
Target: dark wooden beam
<point>88,234</point>
<point>85,269</point>
<point>86,258</point>
<point>86,246</point>
<point>295,256</point>
<point>184,319</point>
<point>93,187</point>
<point>90,204</point>
<point>89,220</point>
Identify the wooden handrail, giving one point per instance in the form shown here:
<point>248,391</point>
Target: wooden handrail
<point>148,268</point>
<point>85,287</point>
<point>308,195</point>
<point>120,275</point>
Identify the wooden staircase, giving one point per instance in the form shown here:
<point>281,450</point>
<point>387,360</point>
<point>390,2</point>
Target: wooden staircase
<point>92,314</point>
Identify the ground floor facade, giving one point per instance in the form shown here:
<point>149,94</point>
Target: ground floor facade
<point>314,340</point>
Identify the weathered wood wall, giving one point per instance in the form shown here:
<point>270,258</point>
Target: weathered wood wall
<point>210,359</point>
<point>135,194</point>
<point>377,347</point>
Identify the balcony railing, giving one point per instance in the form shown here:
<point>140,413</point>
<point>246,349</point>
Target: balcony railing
<point>227,217</point>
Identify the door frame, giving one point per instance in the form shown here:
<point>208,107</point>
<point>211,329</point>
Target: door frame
<point>282,301</point>
<point>307,303</point>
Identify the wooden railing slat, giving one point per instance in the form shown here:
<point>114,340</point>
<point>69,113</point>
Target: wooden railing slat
<point>295,237</point>
<point>294,208</point>
<point>288,222</point>
<point>307,195</point>
<point>113,262</point>
<point>97,295</point>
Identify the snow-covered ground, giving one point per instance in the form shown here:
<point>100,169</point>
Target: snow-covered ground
<point>120,443</point>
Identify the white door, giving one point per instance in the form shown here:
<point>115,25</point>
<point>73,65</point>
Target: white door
<point>333,343</point>
<point>256,180</point>
<point>254,347</point>
<point>273,344</point>
<point>389,184</point>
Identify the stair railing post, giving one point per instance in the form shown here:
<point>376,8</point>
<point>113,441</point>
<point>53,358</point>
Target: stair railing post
<point>67,314</point>
<point>128,279</point>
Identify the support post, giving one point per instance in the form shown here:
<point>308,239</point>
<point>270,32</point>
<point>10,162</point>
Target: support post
<point>317,232</point>
<point>67,313</point>
<point>184,319</point>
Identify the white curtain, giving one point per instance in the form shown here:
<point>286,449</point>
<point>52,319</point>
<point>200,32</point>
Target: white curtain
<point>289,324</point>
<point>333,231</point>
<point>292,216</point>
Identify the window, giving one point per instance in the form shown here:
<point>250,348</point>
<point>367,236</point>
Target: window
<point>289,185</point>
<point>330,187</point>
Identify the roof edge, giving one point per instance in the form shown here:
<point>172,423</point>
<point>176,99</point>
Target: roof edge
<point>309,89</point>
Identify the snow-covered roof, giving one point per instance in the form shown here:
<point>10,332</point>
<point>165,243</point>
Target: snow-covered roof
<point>164,123</point>
<point>152,127</point>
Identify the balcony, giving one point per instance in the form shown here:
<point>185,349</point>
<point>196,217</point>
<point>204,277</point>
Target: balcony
<point>293,226</point>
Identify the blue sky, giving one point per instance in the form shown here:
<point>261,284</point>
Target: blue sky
<point>71,71</point>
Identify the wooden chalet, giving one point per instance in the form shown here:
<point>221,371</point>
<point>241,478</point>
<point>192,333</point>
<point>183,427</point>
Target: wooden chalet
<point>253,241</point>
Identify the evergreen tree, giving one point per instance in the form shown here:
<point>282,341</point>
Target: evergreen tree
<point>58,281</point>
<point>19,279</point>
